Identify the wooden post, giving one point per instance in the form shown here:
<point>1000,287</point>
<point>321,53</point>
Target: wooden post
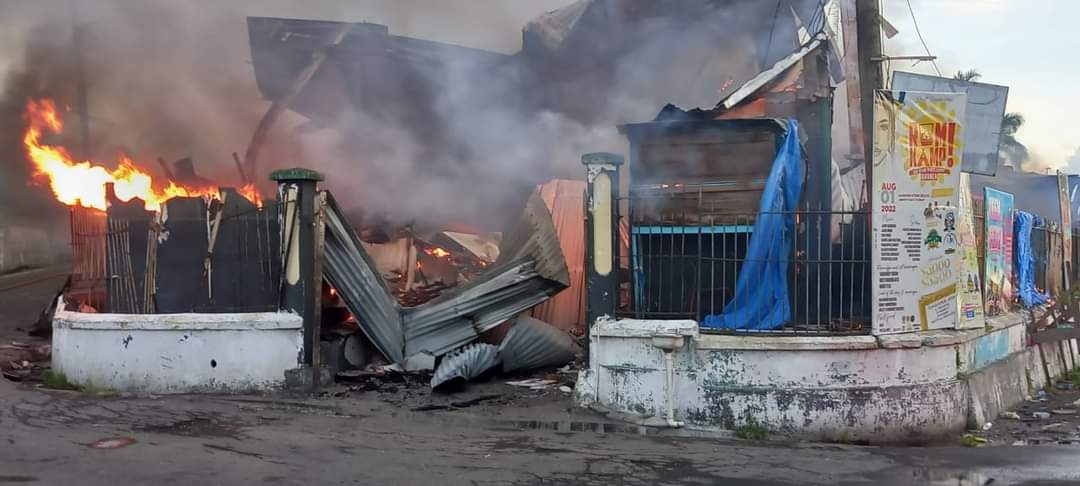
<point>317,285</point>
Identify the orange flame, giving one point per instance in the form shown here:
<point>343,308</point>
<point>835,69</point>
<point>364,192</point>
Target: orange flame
<point>83,183</point>
<point>437,252</point>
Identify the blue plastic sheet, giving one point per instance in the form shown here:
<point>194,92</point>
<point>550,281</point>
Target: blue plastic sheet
<point>1025,262</point>
<point>761,291</point>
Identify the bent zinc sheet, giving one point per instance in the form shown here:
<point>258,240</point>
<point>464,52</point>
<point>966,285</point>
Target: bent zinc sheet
<point>531,268</point>
<point>532,344</point>
<point>351,271</point>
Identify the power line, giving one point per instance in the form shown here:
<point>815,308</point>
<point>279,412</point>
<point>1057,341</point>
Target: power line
<point>772,28</point>
<point>919,33</point>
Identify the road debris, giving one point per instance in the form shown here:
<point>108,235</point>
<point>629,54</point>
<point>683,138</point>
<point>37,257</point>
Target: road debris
<point>455,405</point>
<point>111,443</point>
<point>1009,415</point>
<point>534,383</point>
<point>1051,426</point>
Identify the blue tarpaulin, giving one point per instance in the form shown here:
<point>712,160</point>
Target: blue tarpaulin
<point>1025,262</point>
<point>761,291</point>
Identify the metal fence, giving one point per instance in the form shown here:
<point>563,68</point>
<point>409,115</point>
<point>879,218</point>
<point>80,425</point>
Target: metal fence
<point>683,251</point>
<point>208,257</point>
<point>1047,245</point>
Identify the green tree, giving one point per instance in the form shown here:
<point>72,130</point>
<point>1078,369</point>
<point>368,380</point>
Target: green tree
<point>969,75</point>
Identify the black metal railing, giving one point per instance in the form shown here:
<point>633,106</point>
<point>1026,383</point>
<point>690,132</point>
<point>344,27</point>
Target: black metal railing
<point>685,247</point>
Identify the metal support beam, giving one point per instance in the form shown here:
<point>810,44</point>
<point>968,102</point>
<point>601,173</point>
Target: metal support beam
<point>299,290</point>
<point>601,235</point>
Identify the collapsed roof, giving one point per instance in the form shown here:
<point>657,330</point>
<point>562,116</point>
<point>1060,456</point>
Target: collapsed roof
<point>573,60</point>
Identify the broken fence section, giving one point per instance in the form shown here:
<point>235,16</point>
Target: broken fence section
<point>531,268</point>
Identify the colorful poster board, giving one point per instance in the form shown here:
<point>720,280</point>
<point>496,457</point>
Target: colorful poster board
<point>971,296</point>
<point>999,293</point>
<point>1066,225</point>
<point>916,175</point>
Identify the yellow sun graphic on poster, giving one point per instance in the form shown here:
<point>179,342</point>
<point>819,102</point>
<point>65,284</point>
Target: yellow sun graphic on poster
<point>930,139</point>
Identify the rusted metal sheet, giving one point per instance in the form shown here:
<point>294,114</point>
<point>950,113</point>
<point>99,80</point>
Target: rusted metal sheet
<point>88,231</point>
<point>564,198</point>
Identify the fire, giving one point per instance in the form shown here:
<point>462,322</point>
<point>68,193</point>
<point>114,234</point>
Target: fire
<point>83,183</point>
<point>437,252</point>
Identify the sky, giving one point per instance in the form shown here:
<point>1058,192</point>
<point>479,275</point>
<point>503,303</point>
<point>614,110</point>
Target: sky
<point>1028,45</point>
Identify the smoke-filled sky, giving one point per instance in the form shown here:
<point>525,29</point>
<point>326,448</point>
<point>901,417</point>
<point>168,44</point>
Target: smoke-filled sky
<point>1028,45</point>
<point>173,78</point>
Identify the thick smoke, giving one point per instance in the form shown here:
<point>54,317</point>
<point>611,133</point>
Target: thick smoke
<point>173,79</point>
<point>492,131</point>
<point>170,79</point>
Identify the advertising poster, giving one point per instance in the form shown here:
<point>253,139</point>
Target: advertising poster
<point>916,175</point>
<point>999,291</point>
<point>971,296</point>
<point>1066,225</point>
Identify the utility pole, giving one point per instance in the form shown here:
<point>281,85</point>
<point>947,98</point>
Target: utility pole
<point>861,23</point>
<point>868,20</point>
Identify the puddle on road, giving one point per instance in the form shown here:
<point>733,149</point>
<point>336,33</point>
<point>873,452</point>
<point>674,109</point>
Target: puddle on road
<point>193,427</point>
<point>939,478</point>
<point>566,426</point>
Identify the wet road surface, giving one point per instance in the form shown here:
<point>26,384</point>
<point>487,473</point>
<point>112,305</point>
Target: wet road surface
<point>49,437</point>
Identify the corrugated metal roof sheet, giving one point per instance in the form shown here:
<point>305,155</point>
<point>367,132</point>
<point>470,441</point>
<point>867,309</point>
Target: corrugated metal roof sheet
<point>350,270</point>
<point>530,270</point>
<point>565,200</point>
<point>466,363</point>
<point>532,344</point>
<point>765,77</point>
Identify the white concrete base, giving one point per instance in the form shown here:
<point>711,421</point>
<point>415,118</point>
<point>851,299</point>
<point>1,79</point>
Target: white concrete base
<point>895,389</point>
<point>176,353</point>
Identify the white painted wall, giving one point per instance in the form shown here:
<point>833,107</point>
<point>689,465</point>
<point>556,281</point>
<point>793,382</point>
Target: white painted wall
<point>842,388</point>
<point>176,353</point>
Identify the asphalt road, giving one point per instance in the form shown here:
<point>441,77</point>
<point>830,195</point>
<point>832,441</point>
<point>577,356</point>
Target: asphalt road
<point>23,295</point>
<point>46,437</point>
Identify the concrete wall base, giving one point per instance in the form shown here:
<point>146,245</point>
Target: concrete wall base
<point>176,353</point>
<point>913,388</point>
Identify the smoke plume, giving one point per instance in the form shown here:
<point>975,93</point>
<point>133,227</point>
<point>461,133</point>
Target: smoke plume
<point>170,79</point>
